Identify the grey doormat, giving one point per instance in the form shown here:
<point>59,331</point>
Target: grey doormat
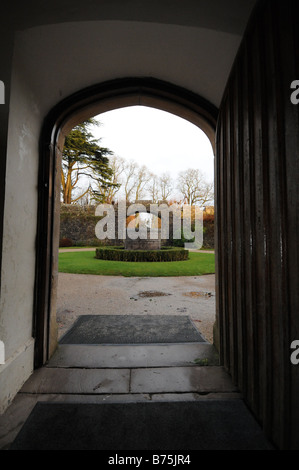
<point>201,425</point>
<point>132,329</point>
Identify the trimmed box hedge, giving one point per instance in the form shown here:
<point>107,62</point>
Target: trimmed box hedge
<point>115,253</point>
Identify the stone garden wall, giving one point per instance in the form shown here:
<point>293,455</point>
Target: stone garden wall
<point>77,227</point>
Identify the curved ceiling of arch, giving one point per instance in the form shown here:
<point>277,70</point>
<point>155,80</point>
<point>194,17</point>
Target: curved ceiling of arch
<point>228,16</point>
<point>60,59</point>
<point>66,46</point>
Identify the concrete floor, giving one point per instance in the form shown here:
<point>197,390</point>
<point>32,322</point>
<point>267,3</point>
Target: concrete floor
<point>120,374</point>
<point>126,373</point>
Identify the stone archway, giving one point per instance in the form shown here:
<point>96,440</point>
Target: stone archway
<point>78,107</point>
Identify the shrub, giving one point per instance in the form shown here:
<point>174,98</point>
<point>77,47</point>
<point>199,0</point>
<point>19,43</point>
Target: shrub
<point>181,240</point>
<point>65,242</point>
<point>208,231</point>
<point>116,253</point>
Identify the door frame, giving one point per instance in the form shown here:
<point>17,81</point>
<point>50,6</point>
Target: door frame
<point>58,123</point>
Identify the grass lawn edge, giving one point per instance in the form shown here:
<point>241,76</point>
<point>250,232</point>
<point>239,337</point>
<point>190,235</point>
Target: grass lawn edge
<point>84,262</point>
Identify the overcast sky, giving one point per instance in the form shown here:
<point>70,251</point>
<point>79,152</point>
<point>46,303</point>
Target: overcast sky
<point>160,140</point>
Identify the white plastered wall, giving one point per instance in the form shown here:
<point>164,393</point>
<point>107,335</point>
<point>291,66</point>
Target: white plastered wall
<point>18,262</point>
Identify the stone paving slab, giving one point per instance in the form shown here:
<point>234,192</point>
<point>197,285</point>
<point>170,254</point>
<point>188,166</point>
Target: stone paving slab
<point>78,381</point>
<point>181,379</point>
<point>126,356</point>
<point>145,380</point>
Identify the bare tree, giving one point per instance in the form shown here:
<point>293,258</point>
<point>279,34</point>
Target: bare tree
<point>166,186</point>
<point>194,187</point>
<point>129,179</point>
<point>117,165</point>
<point>154,188</point>
<point>142,179</point>
<point>135,181</point>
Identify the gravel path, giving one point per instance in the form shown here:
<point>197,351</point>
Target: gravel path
<point>83,294</point>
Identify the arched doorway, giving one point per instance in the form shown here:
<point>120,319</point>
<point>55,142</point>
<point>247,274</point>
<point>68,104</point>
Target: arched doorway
<point>71,111</point>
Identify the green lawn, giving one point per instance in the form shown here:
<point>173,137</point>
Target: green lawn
<point>84,262</point>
